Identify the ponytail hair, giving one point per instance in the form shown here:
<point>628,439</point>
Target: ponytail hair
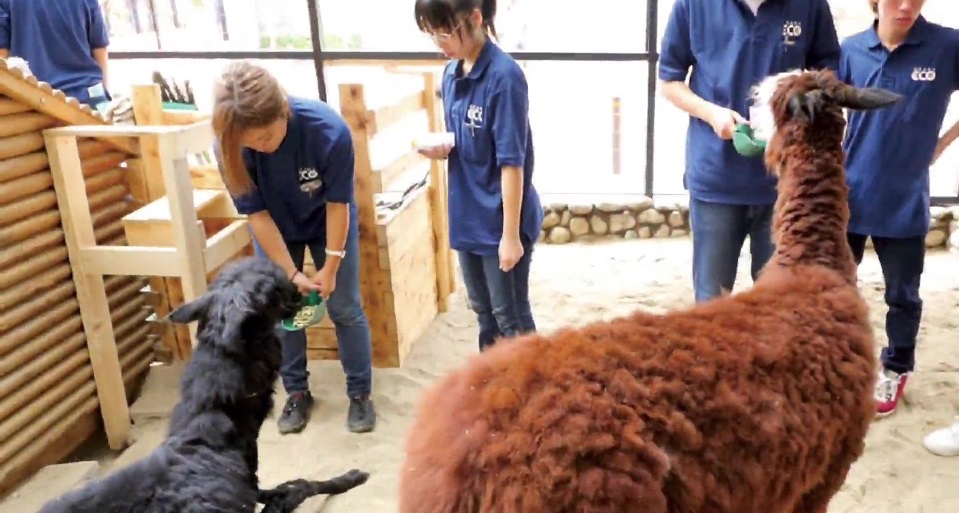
<point>245,96</point>
<point>442,14</point>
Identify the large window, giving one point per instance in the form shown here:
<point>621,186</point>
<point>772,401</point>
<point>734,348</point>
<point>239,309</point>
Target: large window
<point>213,25</point>
<point>573,117</point>
<point>615,26</point>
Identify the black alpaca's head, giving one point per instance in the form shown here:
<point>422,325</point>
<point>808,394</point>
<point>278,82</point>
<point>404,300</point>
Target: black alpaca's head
<point>251,291</point>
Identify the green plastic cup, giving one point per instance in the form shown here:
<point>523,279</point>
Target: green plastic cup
<point>312,310</point>
<point>745,142</point>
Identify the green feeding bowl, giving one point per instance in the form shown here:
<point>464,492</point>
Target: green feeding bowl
<point>744,142</point>
<point>312,310</point>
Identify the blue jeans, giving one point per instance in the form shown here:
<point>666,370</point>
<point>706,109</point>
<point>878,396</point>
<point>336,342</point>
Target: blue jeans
<point>345,309</point>
<point>902,262</point>
<point>719,231</point>
<point>499,299</point>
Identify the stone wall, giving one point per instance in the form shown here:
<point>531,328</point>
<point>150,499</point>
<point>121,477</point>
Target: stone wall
<point>636,220</point>
<point>641,219</point>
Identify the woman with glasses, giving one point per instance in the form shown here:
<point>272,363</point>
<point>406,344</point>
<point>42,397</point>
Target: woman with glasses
<point>494,210</point>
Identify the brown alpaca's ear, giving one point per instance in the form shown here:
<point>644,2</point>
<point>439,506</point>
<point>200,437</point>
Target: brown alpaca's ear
<point>868,98</point>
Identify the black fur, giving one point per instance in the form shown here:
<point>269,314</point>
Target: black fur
<point>208,463</point>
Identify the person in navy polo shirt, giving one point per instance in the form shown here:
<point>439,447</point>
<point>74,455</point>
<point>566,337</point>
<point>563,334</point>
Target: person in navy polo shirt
<point>288,163</point>
<point>731,45</point>
<point>889,153</point>
<point>494,210</point>
<point>63,41</point>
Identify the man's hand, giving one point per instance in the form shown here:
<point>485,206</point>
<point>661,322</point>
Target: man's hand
<point>724,121</point>
<point>440,152</point>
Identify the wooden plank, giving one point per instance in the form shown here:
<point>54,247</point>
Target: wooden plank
<point>227,243</point>
<point>91,293</point>
<point>15,86</point>
<point>445,274</point>
<point>388,115</point>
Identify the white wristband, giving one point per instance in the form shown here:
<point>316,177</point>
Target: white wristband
<point>340,254</point>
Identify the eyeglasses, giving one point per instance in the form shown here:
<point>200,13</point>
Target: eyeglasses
<point>442,37</point>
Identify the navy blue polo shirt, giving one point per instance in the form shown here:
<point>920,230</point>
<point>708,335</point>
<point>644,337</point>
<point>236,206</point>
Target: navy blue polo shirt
<point>57,39</point>
<point>487,111</point>
<point>312,166</point>
<point>729,50</point>
<point>889,150</point>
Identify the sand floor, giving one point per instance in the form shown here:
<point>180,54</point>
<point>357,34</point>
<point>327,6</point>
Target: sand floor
<point>574,284</point>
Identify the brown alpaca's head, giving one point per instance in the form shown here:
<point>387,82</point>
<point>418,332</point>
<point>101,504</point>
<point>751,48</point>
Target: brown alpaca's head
<point>807,102</point>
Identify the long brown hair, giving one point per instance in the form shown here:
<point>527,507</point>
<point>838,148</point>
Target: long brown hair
<point>245,96</point>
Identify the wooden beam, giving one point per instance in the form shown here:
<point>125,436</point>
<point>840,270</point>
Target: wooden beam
<point>91,293</point>
<point>131,261</point>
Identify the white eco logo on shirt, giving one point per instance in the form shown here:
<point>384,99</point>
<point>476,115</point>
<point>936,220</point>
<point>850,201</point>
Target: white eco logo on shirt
<point>924,74</point>
<point>791,31</point>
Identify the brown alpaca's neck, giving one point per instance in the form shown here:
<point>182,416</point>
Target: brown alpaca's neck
<point>812,210</point>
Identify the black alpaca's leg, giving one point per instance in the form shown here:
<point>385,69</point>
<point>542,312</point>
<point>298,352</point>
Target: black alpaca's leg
<point>288,496</point>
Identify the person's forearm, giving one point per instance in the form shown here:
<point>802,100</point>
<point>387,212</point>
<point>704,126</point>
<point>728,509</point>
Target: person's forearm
<point>4,53</point>
<point>337,226</point>
<point>950,136</point>
<point>269,238</point>
<point>511,184</point>
<point>101,55</point>
<point>679,94</point>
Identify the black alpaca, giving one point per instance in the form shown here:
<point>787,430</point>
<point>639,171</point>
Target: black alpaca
<point>208,463</point>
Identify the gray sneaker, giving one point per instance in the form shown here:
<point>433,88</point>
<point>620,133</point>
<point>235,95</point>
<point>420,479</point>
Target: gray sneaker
<point>296,412</point>
<point>362,415</point>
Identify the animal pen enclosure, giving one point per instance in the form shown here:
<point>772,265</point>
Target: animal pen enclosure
<point>48,388</point>
<point>406,270</point>
<point>91,213</point>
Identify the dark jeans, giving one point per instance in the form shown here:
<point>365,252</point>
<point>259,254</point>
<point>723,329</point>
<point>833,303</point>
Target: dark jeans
<point>719,231</point>
<point>345,309</point>
<point>902,262</point>
<point>500,299</point>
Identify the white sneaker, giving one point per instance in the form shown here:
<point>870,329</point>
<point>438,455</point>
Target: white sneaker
<point>945,441</point>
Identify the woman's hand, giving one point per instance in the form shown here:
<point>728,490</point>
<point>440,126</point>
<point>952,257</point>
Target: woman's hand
<point>303,283</point>
<point>324,281</point>
<point>510,251</point>
<point>440,152</point>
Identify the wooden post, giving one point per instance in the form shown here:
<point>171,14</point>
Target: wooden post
<point>438,201</point>
<point>91,294</point>
<point>189,241</point>
<point>373,279</point>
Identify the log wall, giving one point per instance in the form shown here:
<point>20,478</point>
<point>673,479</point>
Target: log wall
<point>48,401</point>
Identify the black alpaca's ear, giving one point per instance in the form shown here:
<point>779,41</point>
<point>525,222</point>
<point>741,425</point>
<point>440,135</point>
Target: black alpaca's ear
<point>191,311</point>
<point>867,98</point>
<point>804,106</point>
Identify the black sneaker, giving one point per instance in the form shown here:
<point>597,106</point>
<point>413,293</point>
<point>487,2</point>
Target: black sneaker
<point>362,416</point>
<point>295,413</point>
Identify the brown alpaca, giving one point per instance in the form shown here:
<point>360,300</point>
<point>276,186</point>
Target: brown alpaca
<point>753,402</point>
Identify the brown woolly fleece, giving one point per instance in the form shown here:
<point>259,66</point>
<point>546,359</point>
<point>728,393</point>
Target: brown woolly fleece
<point>754,402</point>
